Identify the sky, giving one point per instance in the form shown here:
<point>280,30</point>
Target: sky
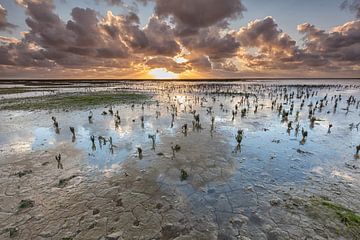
<point>182,39</point>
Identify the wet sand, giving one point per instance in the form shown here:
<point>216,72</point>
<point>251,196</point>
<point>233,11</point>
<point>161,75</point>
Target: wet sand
<point>273,186</point>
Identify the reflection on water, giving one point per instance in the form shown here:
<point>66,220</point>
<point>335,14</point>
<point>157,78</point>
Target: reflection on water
<point>271,152</point>
<point>267,145</point>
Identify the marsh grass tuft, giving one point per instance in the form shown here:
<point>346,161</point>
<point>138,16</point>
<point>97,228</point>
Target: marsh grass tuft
<point>64,181</point>
<point>183,175</point>
<point>72,101</point>
<point>326,209</point>
<point>27,203</point>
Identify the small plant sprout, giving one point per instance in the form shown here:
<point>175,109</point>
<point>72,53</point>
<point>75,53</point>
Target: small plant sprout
<point>297,129</point>
<point>72,130</point>
<point>297,116</point>
<point>330,126</point>
<point>153,139</point>
<point>304,136</point>
<point>290,125</point>
<point>111,146</point>
<point>196,123</point>
<point>239,137</point>
<point>142,121</point>
<point>175,148</point>
<point>111,110</point>
<point>56,125</point>
<point>117,120</point>
<point>312,121</point>
<point>92,138</point>
<point>197,118</point>
<point>140,154</point>
<point>102,141</point>
<point>183,175</point>
<point>90,117</point>
<point>212,123</point>
<point>184,129</point>
<point>58,159</point>
<point>243,112</point>
<point>172,120</point>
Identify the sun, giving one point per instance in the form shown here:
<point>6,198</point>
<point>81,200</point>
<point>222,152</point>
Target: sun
<point>162,73</point>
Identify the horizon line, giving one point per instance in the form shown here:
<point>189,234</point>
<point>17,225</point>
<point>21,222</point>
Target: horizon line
<point>187,79</point>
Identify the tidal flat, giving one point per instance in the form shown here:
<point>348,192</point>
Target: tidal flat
<point>256,159</point>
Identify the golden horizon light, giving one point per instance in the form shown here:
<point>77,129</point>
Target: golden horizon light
<point>162,73</point>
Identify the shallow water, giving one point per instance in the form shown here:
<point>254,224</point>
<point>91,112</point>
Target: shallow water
<point>224,183</point>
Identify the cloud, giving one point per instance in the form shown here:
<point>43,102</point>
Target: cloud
<point>191,15</point>
<point>342,44</point>
<point>267,37</point>
<point>271,47</point>
<point>211,42</point>
<point>201,63</point>
<point>87,39</point>
<point>4,24</point>
<point>168,63</point>
<point>114,2</point>
<point>197,30</point>
<point>8,40</point>
<point>161,39</point>
<point>352,5</point>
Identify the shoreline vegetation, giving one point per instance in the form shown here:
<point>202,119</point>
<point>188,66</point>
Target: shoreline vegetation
<point>73,101</point>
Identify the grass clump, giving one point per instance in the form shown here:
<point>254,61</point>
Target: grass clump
<point>347,216</point>
<point>72,101</point>
<point>329,211</point>
<point>64,181</point>
<point>13,232</point>
<point>27,203</point>
<point>23,173</point>
<point>183,175</point>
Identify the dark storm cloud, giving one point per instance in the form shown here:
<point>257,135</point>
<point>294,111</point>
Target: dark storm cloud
<point>4,24</point>
<point>352,5</point>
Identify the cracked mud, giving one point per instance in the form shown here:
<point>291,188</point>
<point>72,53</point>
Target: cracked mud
<point>194,182</point>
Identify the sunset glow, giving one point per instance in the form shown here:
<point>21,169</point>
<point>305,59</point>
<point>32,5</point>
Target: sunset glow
<point>162,73</point>
<point>179,39</point>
